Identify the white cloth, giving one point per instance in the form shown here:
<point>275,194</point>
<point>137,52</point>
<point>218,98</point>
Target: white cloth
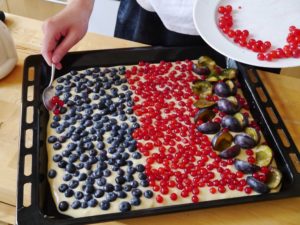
<point>176,15</point>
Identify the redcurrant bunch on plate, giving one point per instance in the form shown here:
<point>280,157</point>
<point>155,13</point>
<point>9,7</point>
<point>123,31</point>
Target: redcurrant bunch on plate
<point>262,48</point>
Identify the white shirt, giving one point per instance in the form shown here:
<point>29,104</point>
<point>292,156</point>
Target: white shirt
<point>176,15</point>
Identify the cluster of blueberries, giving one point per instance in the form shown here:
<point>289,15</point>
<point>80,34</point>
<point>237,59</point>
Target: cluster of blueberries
<point>97,123</point>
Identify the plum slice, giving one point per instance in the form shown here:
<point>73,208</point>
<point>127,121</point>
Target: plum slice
<point>264,155</point>
<point>200,70</point>
<point>230,152</point>
<point>274,178</point>
<point>235,123</point>
<point>249,139</point>
<point>209,127</point>
<point>245,166</point>
<point>203,103</point>
<point>204,114</point>
<point>222,140</point>
<point>229,105</point>
<point>225,88</point>
<point>202,88</point>
<point>257,185</point>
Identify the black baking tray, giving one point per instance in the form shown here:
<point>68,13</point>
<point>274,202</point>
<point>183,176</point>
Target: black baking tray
<point>40,210</point>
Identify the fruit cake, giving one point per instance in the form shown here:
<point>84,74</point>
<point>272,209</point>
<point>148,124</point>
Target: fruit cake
<point>150,135</point>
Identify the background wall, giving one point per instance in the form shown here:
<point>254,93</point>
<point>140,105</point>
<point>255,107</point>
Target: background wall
<point>103,19</point>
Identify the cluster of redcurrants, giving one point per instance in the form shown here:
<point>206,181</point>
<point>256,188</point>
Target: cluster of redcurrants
<point>262,48</point>
<point>56,104</point>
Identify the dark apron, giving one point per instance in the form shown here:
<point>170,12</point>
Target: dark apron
<point>137,24</point>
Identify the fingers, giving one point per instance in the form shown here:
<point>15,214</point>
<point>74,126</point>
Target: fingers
<point>65,45</point>
<point>50,41</point>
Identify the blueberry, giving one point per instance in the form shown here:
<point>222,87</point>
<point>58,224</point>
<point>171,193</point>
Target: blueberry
<point>111,196</point>
<point>104,205</point>
<point>132,148</point>
<point>132,119</point>
<point>135,125</point>
<point>60,80</point>
<point>62,188</point>
<point>120,180</point>
<point>75,137</point>
<point>136,192</point>
<point>52,173</point>
<point>123,117</point>
<point>127,187</point>
<point>87,165</point>
<point>70,168</point>
<point>102,165</point>
<point>140,168</point>
<point>62,164</point>
<point>96,117</point>
<point>98,193</point>
<point>122,194</point>
<point>84,205</point>
<point>69,193</point>
<point>88,145</point>
<point>57,158</point>
<point>89,189</point>
<point>87,197</point>
<point>62,139</point>
<point>73,158</point>
<point>79,195</point>
<point>67,177</point>
<point>121,172</point>
<point>134,184</point>
<point>131,170</point>
<point>76,204</point>
<point>57,146</point>
<point>92,203</point>
<point>144,183</point>
<point>82,177</point>
<point>97,174</point>
<point>129,163</point>
<point>148,194</point>
<point>84,158</point>
<point>52,139</point>
<point>124,87</point>
<point>136,155</point>
<point>106,173</point>
<point>142,176</point>
<point>80,165</point>
<point>108,187</point>
<point>70,103</point>
<point>71,146</point>
<point>101,181</point>
<point>73,184</point>
<point>124,206</point>
<point>135,201</point>
<point>63,206</point>
<point>66,153</point>
<point>88,123</point>
<point>90,181</point>
<point>112,150</point>
<point>125,155</point>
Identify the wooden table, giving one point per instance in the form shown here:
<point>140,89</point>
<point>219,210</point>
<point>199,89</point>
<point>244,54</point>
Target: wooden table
<point>283,89</point>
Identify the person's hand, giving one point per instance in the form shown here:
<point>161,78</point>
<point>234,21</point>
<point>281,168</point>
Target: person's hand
<point>64,30</point>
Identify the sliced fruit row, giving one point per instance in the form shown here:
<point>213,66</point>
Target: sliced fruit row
<point>217,92</point>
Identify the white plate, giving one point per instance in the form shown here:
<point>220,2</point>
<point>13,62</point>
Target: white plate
<point>267,20</point>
